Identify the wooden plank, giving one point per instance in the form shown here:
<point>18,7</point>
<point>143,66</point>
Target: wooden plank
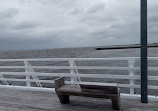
<point>68,88</point>
<point>59,82</point>
<point>76,91</point>
<point>99,89</point>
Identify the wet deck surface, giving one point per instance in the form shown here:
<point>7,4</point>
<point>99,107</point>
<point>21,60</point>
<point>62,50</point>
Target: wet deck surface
<point>19,100</point>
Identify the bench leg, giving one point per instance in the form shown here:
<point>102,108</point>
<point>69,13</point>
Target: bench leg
<point>116,103</point>
<point>63,99</point>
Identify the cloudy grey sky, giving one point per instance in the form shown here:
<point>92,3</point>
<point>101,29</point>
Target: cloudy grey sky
<point>32,24</point>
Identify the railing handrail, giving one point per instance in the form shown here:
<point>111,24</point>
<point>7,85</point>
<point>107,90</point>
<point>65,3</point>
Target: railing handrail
<point>67,59</point>
<point>78,59</point>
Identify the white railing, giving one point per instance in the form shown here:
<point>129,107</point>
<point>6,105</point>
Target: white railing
<point>36,77</point>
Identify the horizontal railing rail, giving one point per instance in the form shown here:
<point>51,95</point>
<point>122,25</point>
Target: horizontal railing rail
<point>78,59</point>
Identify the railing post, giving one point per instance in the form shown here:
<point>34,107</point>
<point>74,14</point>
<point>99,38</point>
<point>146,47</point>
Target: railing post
<point>28,84</point>
<point>71,62</point>
<point>131,64</point>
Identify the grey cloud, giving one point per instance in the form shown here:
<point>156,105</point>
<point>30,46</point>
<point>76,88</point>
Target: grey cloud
<point>7,17</point>
<point>8,13</point>
<point>25,25</point>
<point>25,1</point>
<point>96,8</point>
<point>63,3</point>
<point>77,11</point>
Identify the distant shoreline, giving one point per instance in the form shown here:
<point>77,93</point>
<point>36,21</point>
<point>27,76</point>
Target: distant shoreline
<point>130,46</point>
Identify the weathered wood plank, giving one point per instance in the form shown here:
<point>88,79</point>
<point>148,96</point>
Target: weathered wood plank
<point>59,82</point>
<point>63,98</point>
<point>99,89</point>
<point>19,100</point>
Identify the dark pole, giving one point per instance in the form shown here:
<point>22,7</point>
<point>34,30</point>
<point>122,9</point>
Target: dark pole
<point>144,59</point>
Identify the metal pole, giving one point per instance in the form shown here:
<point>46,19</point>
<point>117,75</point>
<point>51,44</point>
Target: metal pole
<point>144,59</point>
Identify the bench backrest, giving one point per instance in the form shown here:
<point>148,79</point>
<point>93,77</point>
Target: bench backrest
<point>99,89</point>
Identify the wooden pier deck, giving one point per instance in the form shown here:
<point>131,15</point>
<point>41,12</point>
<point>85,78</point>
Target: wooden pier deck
<point>20,100</point>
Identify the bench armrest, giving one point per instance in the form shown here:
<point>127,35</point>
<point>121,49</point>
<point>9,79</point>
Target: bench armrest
<point>59,82</point>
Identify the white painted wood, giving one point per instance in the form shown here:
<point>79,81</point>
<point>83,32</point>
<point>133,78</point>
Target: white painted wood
<point>136,96</point>
<point>153,68</point>
<point>24,80</point>
<point>131,73</point>
<point>153,78</point>
<point>82,67</point>
<point>34,76</point>
<point>67,59</point>
<point>110,68</point>
<point>28,84</point>
<point>28,88</point>
<point>78,67</point>
<point>152,87</point>
<point>4,81</point>
<point>12,67</point>
<point>77,59</point>
<point>108,76</point>
<point>72,72</point>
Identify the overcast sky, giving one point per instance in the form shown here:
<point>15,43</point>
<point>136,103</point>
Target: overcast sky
<point>32,24</point>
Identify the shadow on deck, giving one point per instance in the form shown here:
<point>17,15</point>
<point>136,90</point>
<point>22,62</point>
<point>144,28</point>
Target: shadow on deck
<point>19,100</point>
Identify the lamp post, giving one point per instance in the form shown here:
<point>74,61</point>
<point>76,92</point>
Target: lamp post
<point>144,59</point>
